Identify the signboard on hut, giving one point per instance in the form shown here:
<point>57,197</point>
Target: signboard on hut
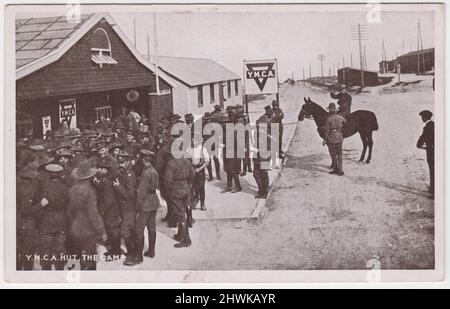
<point>68,112</point>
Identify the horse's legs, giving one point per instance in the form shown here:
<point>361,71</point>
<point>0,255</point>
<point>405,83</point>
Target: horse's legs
<point>370,143</point>
<point>364,141</point>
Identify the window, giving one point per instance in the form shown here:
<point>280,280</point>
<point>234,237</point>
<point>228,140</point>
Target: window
<point>229,88</point>
<point>200,96</point>
<point>101,49</point>
<point>236,87</point>
<point>24,127</point>
<point>104,111</point>
<point>211,93</point>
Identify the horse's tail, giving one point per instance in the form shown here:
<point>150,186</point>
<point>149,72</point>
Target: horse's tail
<point>373,122</point>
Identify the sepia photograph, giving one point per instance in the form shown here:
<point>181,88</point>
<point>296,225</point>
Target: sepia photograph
<point>224,142</point>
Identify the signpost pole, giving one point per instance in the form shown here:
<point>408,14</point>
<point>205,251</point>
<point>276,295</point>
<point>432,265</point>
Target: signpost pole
<point>278,84</point>
<point>244,95</point>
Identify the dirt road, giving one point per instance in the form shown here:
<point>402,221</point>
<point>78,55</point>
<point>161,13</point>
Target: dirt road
<point>321,221</point>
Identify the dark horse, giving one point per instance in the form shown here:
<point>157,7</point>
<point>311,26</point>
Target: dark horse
<point>362,121</point>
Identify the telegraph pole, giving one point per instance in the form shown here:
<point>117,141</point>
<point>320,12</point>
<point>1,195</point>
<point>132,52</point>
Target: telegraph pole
<point>359,33</point>
<point>155,37</point>
<point>310,70</point>
<point>148,47</point>
<point>134,32</point>
<point>365,58</point>
<point>303,74</point>
<point>419,48</point>
<point>321,59</point>
<point>351,60</point>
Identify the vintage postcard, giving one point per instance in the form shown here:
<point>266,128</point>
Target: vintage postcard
<point>224,143</point>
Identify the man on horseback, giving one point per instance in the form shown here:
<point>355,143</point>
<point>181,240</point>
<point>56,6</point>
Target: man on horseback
<point>344,100</point>
<point>334,138</point>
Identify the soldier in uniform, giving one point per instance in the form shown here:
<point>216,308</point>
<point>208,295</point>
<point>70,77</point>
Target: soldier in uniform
<point>261,175</point>
<point>108,204</point>
<point>217,110</point>
<point>146,142</point>
<point>74,136</point>
<point>179,174</point>
<point>213,158</point>
<point>79,155</point>
<point>161,158</point>
<point>53,220</point>
<point>344,100</point>
<point>130,145</point>
<point>263,130</point>
<point>86,223</point>
<point>108,136</point>
<point>200,160</point>
<point>232,163</point>
<point>64,158</point>
<point>88,138</point>
<point>147,204</point>
<point>189,119</point>
<point>278,116</point>
<point>426,141</point>
<point>120,131</point>
<point>27,211</point>
<point>125,187</point>
<point>115,149</point>
<point>246,161</point>
<point>333,139</point>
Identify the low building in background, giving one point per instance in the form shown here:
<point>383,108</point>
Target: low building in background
<point>388,66</point>
<point>201,84</point>
<point>417,61</point>
<point>352,77</point>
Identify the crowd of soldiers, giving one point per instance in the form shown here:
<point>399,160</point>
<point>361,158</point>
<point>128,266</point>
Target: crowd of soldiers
<point>77,188</point>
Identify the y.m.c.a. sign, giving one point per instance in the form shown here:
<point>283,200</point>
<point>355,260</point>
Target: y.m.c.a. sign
<point>261,76</point>
<point>68,112</point>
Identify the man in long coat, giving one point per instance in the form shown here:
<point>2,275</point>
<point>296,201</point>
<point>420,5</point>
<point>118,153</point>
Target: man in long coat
<point>179,175</point>
<point>125,188</point>
<point>52,219</point>
<point>27,219</point>
<point>147,204</point>
<point>86,223</point>
<point>426,141</point>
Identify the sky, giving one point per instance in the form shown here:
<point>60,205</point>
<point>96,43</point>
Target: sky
<point>294,38</point>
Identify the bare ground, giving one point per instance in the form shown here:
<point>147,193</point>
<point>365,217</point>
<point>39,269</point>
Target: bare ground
<point>319,221</point>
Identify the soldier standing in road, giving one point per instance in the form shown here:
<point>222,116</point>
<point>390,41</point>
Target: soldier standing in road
<point>200,160</point>
<point>232,163</point>
<point>263,130</point>
<point>246,161</point>
<point>426,141</point>
<point>53,219</point>
<point>86,223</point>
<point>161,158</point>
<point>125,188</point>
<point>147,204</point>
<point>278,116</point>
<point>207,118</point>
<point>344,100</point>
<point>261,176</point>
<point>333,139</point>
<point>178,176</point>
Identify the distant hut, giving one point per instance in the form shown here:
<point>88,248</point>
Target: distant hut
<point>352,77</point>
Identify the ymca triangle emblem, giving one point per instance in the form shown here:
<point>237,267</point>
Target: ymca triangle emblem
<point>260,72</point>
